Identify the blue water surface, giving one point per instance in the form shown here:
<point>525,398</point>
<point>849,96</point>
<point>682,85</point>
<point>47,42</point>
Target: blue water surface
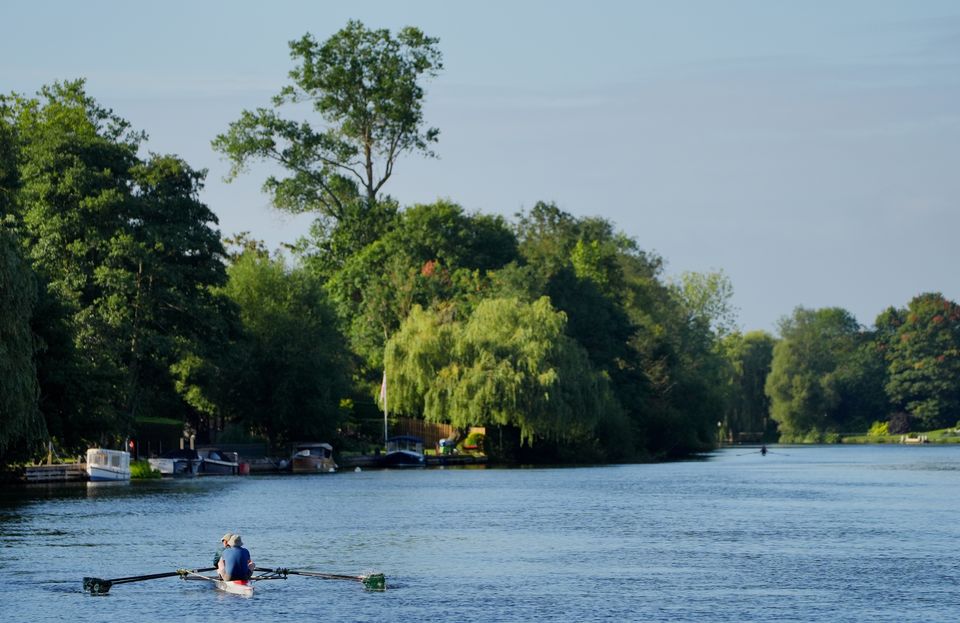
<point>858,534</point>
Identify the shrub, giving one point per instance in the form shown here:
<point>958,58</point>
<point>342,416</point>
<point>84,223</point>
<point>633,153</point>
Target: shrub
<point>899,423</point>
<point>142,469</point>
<point>879,429</point>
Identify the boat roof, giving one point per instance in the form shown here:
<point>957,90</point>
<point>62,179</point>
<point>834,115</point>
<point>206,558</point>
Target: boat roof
<point>413,438</point>
<point>180,454</point>
<point>313,444</point>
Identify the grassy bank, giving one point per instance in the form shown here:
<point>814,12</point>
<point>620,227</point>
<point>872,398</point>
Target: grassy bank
<point>944,435</point>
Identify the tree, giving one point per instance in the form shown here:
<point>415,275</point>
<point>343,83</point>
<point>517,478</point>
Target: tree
<point>922,348</point>
<point>366,87</point>
<point>820,379</point>
<point>21,426</point>
<point>126,256</point>
<point>73,160</point>
<point>509,364</point>
<point>436,255</point>
<point>750,356</point>
<point>707,297</point>
<point>158,302</point>
<point>661,361</point>
<point>290,371</point>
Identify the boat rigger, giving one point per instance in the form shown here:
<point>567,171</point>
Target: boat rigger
<point>245,588</point>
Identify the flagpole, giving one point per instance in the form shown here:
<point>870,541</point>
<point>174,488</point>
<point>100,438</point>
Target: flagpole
<point>383,392</point>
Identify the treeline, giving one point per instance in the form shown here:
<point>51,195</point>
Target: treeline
<point>829,375</point>
<point>120,301</point>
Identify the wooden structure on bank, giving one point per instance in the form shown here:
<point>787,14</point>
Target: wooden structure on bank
<point>62,472</point>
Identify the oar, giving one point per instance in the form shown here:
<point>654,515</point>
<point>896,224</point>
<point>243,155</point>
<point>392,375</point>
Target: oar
<point>372,582</point>
<point>99,586</point>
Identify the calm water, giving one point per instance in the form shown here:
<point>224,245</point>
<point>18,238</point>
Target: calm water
<point>803,534</point>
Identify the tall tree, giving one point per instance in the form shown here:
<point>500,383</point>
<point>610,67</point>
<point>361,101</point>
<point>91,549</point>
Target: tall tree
<point>509,364</point>
<point>21,426</point>
<point>707,297</point>
<point>436,254</point>
<point>366,86</point>
<point>74,159</point>
<point>291,370</point>
<point>750,356</point>
<point>127,255</point>
<point>922,346</point>
<point>816,374</point>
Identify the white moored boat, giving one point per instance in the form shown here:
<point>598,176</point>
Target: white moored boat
<point>105,465</point>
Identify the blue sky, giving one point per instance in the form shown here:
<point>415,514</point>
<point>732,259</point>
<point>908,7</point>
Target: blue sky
<point>807,149</point>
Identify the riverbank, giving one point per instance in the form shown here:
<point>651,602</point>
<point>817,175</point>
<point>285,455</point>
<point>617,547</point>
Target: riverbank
<point>942,436</point>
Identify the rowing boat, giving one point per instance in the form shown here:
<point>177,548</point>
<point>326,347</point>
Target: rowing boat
<point>235,587</point>
<point>98,586</point>
<point>244,588</point>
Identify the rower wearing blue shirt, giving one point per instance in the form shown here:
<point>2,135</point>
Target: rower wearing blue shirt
<point>235,562</point>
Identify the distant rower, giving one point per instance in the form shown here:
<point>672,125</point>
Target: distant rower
<point>763,450</point>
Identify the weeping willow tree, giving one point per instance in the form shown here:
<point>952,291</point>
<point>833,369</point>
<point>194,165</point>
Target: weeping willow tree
<point>21,426</point>
<point>508,364</point>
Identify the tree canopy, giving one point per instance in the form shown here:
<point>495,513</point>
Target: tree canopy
<point>366,86</point>
<point>922,348</point>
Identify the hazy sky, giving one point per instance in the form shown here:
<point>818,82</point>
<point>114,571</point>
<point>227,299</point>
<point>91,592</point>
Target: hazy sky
<point>808,149</point>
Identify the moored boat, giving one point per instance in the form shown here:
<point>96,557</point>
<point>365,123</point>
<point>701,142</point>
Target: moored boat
<point>313,458</point>
<point>177,463</point>
<point>216,461</point>
<point>404,451</point>
<point>107,465</point>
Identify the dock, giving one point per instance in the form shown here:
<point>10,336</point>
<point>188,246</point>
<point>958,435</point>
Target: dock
<point>62,472</point>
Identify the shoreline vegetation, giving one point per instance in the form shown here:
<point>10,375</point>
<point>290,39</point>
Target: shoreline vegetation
<point>125,313</point>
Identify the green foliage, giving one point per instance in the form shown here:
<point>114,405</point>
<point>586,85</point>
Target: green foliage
<point>706,297</point>
<point>435,256</point>
<point>366,88</point>
<point>21,427</point>
<point>126,257</point>
<point>922,348</point>
<point>750,357</point>
<point>878,429</point>
<point>290,369</point>
<point>508,364</point>
<point>825,377</point>
<point>141,470</point>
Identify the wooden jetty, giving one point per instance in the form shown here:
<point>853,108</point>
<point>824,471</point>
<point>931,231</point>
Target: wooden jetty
<point>62,472</point>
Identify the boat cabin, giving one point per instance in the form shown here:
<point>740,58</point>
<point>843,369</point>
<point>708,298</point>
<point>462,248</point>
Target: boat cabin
<point>313,457</point>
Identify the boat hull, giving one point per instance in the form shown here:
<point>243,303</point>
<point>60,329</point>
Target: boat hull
<point>176,467</point>
<point>107,465</point>
<point>217,462</point>
<point>244,588</point>
<point>403,458</point>
<point>220,468</point>
<point>104,474</point>
<point>313,458</point>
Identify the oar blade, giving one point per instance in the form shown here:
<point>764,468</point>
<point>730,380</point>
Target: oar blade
<point>374,582</point>
<point>97,586</point>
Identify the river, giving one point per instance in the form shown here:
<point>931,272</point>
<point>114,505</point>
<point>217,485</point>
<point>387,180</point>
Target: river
<point>862,533</point>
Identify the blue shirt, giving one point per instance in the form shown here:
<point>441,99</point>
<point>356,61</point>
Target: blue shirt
<point>236,563</point>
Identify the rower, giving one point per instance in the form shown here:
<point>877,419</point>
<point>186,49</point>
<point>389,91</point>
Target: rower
<point>224,544</point>
<point>235,562</point>
<point>763,450</point>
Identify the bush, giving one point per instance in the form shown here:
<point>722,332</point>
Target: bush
<point>879,429</point>
<point>142,470</point>
<point>899,423</point>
